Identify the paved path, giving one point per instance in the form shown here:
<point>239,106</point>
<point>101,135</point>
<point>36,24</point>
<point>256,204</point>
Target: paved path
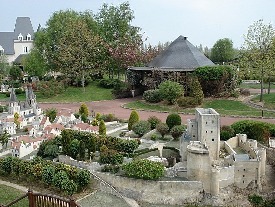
<point>18,187</point>
<point>114,107</point>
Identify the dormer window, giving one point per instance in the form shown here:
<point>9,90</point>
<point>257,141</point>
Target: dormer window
<point>20,37</point>
<point>1,50</point>
<point>29,37</point>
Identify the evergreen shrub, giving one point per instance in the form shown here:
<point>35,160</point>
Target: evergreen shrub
<point>162,128</point>
<point>177,131</point>
<point>152,96</point>
<point>134,118</point>
<point>141,128</point>
<point>173,120</point>
<point>153,120</point>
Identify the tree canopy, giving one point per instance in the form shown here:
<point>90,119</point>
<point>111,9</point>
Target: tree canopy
<point>222,51</point>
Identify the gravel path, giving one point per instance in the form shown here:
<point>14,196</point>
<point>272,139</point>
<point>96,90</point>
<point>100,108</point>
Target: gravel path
<point>114,107</point>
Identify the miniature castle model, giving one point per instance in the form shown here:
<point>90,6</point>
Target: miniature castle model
<point>28,109</point>
<point>241,162</point>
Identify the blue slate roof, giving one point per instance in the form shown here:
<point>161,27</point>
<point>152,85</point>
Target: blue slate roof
<point>181,55</point>
<point>23,25</point>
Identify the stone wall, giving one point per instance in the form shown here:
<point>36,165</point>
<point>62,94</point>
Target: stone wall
<point>233,142</point>
<point>156,192</point>
<point>229,148</point>
<point>226,177</point>
<point>91,166</point>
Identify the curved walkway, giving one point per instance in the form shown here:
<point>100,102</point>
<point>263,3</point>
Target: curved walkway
<point>115,107</point>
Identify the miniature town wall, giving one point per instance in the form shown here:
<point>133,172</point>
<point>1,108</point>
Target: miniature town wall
<point>226,176</point>
<point>92,166</point>
<point>156,192</point>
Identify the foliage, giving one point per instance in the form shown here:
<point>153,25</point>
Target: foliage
<point>121,90</point>
<point>152,96</point>
<point>134,78</point>
<point>110,168</point>
<point>134,118</point>
<point>48,173</point>
<point>51,88</point>
<point>68,186</point>
<point>141,128</point>
<point>15,73</point>
<point>108,117</point>
<point>144,169</point>
<point>58,178</point>
<point>51,113</point>
<point>177,131</point>
<point>109,83</point>
<point>83,110</point>
<point>196,91</point>
<point>222,51</point>
<point>171,91</point>
<point>102,128</point>
<point>256,200</point>
<point>257,130</point>
<point>173,120</point>
<point>187,102</point>
<point>74,148</point>
<point>110,156</point>
<point>4,138</point>
<point>162,129</point>
<point>226,132</point>
<point>83,178</point>
<point>215,80</point>
<point>154,121</point>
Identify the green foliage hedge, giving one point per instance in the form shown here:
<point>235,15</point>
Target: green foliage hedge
<point>187,102</point>
<point>134,118</point>
<point>152,96</point>
<point>171,91</point>
<point>173,120</point>
<point>177,131</point>
<point>144,169</point>
<point>226,133</point>
<point>109,83</point>
<point>257,130</point>
<point>141,128</point>
<point>162,128</point>
<point>154,121</point>
<point>66,178</point>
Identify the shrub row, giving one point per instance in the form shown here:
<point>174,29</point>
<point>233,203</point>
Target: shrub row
<point>66,178</point>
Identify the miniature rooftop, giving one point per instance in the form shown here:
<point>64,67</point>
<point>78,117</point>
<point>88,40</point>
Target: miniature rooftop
<point>204,111</point>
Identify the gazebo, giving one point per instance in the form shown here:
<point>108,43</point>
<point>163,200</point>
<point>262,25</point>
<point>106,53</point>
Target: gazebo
<point>179,59</point>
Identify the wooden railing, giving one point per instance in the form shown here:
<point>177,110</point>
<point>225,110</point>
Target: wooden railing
<point>44,200</point>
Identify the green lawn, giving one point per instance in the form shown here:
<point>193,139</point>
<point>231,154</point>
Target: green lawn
<point>222,106</point>
<point>9,194</point>
<point>269,100</point>
<point>73,94</point>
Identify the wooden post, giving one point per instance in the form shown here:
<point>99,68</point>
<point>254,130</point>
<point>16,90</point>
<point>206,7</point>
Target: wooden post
<point>72,203</point>
<point>31,198</point>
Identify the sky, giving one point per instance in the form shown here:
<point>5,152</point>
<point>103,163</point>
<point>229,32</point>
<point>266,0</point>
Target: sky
<point>202,21</point>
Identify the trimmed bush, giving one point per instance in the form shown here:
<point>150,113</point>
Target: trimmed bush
<point>109,83</point>
<point>111,156</point>
<point>134,118</point>
<point>226,133</point>
<point>102,128</point>
<point>153,120</point>
<point>83,178</point>
<point>162,129</point>
<point>173,120</point>
<point>152,96</point>
<point>69,187</point>
<point>48,173</point>
<point>196,91</point>
<point>58,179</point>
<point>110,168</point>
<point>141,128</point>
<point>257,130</point>
<point>144,169</point>
<point>187,102</point>
<point>177,131</point>
<point>171,91</point>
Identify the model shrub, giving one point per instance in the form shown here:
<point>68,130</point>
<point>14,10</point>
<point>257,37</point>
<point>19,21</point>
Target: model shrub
<point>134,118</point>
<point>173,120</point>
<point>171,91</point>
<point>177,131</point>
<point>152,96</point>
<point>110,156</point>
<point>83,178</point>
<point>155,137</point>
<point>162,129</point>
<point>141,128</point>
<point>226,133</point>
<point>48,173</point>
<point>110,168</point>
<point>127,146</point>
<point>102,128</point>
<point>69,187</point>
<point>153,120</point>
<point>257,130</point>
<point>108,117</point>
<point>109,83</point>
<point>144,169</point>
<point>196,91</point>
<point>58,178</point>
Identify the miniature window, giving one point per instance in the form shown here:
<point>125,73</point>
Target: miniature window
<point>1,50</point>
<point>25,49</point>
<point>206,132</point>
<point>243,169</point>
<point>243,181</point>
<point>205,122</point>
<point>211,132</point>
<point>212,140</point>
<point>20,37</point>
<point>212,121</point>
<point>243,176</point>
<point>192,126</point>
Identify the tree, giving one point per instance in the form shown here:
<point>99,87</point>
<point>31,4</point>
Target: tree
<point>102,128</point>
<point>83,110</point>
<point>173,120</point>
<point>196,90</point>
<point>4,138</point>
<point>134,118</point>
<point>51,113</point>
<point>256,50</point>
<point>123,39</point>
<point>4,66</point>
<point>170,91</point>
<point>222,51</point>
<point>15,73</point>
<point>16,119</point>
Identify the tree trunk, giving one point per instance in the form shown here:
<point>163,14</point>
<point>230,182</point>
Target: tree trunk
<point>269,85</point>
<point>262,89</point>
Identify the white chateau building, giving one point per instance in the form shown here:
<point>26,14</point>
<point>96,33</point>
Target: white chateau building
<point>218,164</point>
<point>14,45</point>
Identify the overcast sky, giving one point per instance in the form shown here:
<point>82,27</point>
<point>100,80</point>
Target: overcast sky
<point>202,21</point>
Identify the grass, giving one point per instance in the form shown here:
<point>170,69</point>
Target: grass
<point>9,194</point>
<point>72,94</point>
<point>222,106</point>
<point>268,99</point>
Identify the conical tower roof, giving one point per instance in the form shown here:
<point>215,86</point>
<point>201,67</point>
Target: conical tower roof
<point>180,55</point>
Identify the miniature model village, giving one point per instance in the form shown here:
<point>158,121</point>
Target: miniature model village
<point>204,158</point>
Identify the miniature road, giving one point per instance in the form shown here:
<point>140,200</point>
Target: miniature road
<point>114,107</point>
